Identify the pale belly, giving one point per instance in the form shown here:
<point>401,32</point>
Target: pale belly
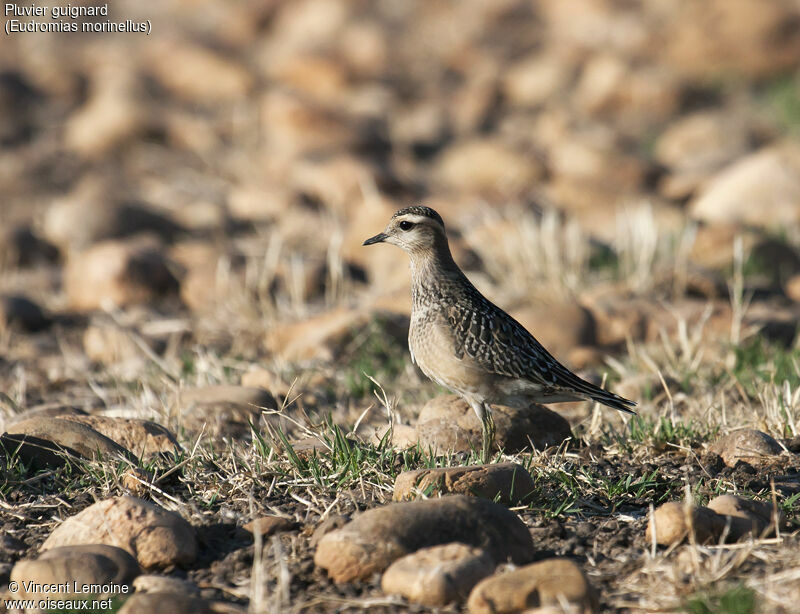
<point>433,350</point>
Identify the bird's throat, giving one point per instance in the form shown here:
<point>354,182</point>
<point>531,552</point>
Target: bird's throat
<point>432,263</point>
<point>434,274</point>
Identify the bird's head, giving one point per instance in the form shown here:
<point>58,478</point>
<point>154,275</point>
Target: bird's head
<point>415,229</point>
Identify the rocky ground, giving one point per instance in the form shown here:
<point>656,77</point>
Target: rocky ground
<point>205,387</point>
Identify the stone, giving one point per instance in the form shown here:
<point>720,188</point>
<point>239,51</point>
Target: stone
<point>294,126</point>
<point>225,409</point>
<point>670,523</point>
<point>744,518</point>
<point>320,78</point>
<point>682,184</point>
<point>589,203</point>
<point>105,121</point>
<point>200,289</point>
<point>747,517</point>
<point>151,583</point>
<point>576,325</point>
<point>112,113</point>
<point>136,481</point>
<point>334,181</point>
<point>118,273</point>
<point>600,79</point>
<point>437,575</point>
<point>506,483</point>
<point>111,345</point>
<point>402,436</point>
<point>20,311</point>
<point>142,438</point>
<point>208,273</point>
<point>46,410</point>
<point>228,393</point>
<point>713,245</point>
<point>306,25</point>
<point>750,38</point>
<point>748,445</point>
<point>792,288</point>
<point>619,318</point>
<point>309,447</point>
<point>448,423</point>
<point>175,603</point>
<point>485,166</point>
<point>156,537</point>
<point>583,357</point>
<point>89,564</point>
<point>90,213</point>
<point>552,582</point>
<point>598,162</point>
<point>766,180</point>
<point>715,319</point>
<point>198,74</point>
<point>315,338</point>
<point>266,379</point>
<point>702,141</point>
<point>49,442</point>
<point>257,203</point>
<point>202,216</point>
<point>331,523</point>
<point>608,85</point>
<point>269,525</point>
<point>471,104</point>
<point>80,217</point>
<point>535,79</point>
<point>378,537</point>
<point>363,47</point>
<point>422,124</point>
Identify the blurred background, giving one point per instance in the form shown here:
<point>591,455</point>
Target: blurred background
<point>181,226</point>
<point>609,171</point>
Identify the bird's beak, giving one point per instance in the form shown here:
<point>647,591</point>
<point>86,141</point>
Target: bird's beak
<point>379,238</point>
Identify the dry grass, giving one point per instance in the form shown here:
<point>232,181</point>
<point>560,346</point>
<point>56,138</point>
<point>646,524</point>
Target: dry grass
<point>692,387</point>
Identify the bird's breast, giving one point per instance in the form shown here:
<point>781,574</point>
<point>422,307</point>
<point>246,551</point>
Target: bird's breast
<point>432,344</point>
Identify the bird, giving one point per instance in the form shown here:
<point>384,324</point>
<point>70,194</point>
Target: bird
<point>467,344</point>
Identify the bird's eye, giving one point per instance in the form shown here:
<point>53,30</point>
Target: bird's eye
<point>406,225</point>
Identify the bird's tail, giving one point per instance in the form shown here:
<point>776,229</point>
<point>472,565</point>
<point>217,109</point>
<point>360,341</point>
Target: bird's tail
<point>589,391</point>
<point>609,399</point>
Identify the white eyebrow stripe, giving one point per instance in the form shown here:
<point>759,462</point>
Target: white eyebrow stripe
<point>416,219</point>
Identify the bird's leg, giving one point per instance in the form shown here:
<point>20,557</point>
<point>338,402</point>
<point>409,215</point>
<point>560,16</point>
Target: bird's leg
<point>487,427</point>
<point>488,434</point>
